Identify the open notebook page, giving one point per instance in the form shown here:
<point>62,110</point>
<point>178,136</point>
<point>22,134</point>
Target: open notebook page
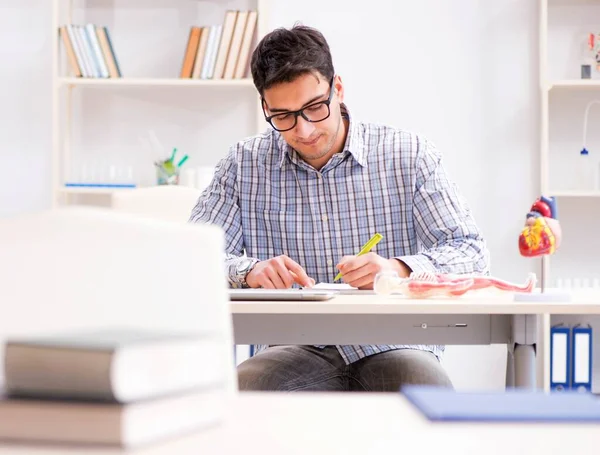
<point>342,288</point>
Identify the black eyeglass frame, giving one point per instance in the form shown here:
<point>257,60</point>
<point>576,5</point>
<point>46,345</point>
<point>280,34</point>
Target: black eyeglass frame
<point>300,112</point>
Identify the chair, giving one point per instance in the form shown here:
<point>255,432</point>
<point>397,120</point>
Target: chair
<point>84,268</point>
<point>164,202</point>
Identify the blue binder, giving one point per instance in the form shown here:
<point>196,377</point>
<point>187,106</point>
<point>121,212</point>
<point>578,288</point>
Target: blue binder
<point>512,405</point>
<point>581,370</point>
<point>560,358</point>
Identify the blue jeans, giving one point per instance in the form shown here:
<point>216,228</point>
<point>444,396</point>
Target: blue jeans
<point>298,368</point>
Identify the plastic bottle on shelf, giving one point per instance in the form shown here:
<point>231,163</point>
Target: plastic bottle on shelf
<point>586,175</point>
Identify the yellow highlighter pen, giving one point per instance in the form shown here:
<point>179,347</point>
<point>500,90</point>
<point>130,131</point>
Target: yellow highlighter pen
<point>365,249</point>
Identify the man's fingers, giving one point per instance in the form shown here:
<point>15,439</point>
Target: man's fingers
<point>297,280</point>
<point>349,263</point>
<point>300,275</point>
<point>266,283</point>
<point>365,282</point>
<point>274,277</point>
<point>358,274</point>
<point>284,274</point>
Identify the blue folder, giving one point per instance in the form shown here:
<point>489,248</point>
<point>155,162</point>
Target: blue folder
<point>582,369</point>
<point>514,405</point>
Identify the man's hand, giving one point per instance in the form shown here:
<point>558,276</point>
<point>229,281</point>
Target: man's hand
<point>360,271</point>
<point>280,272</point>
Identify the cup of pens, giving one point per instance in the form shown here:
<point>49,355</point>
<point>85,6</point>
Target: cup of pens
<point>167,171</point>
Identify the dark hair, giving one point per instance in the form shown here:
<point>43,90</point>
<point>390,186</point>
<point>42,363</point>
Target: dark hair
<point>285,54</point>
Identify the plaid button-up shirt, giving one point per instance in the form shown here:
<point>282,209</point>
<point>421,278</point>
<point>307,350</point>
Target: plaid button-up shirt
<point>270,202</point>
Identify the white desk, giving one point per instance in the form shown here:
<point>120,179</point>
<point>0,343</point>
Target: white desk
<point>478,318</point>
<point>358,423</point>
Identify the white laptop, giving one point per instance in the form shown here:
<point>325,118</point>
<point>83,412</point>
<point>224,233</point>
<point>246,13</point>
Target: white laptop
<point>281,294</point>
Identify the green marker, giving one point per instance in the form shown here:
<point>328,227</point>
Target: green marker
<point>365,249</point>
<point>182,160</point>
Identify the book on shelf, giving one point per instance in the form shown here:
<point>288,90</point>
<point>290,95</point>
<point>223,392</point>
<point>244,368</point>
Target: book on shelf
<point>119,365</point>
<point>220,51</point>
<point>89,51</point>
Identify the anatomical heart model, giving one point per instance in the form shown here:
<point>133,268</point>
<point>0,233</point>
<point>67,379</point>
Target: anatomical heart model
<point>542,233</point>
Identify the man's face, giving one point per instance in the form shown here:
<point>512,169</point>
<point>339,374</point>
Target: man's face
<point>312,140</point>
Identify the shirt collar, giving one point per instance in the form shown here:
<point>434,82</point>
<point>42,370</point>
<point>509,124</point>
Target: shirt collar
<point>355,140</point>
<point>355,144</point>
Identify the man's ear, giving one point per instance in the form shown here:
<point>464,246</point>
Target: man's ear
<point>339,88</point>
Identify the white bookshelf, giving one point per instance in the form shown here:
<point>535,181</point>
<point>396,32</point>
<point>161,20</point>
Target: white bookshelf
<point>90,190</point>
<point>563,96</point>
<point>154,82</point>
<point>574,84</point>
<point>145,81</point>
<point>574,194</point>
<point>562,25</point>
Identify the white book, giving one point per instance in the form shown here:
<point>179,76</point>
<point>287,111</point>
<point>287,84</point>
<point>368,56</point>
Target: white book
<point>225,43</point>
<point>214,50</point>
<point>87,70</point>
<point>90,30</point>
<point>246,45</point>
<point>87,51</point>
<point>236,42</point>
<point>127,426</point>
<point>113,365</point>
<point>77,50</point>
<point>208,52</point>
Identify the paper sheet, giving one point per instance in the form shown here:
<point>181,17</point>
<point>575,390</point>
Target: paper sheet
<point>341,288</point>
<point>333,286</point>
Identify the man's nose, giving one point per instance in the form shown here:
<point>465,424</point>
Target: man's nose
<point>304,128</point>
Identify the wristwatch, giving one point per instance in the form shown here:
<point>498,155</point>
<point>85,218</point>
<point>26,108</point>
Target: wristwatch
<point>243,268</point>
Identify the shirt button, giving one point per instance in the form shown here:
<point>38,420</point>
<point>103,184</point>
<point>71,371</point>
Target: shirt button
<point>329,262</point>
<point>324,218</point>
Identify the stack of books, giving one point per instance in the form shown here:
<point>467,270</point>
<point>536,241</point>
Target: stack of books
<point>89,51</point>
<point>123,388</point>
<point>220,51</point>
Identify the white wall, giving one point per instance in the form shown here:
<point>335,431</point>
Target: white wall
<point>465,76</point>
<point>25,94</point>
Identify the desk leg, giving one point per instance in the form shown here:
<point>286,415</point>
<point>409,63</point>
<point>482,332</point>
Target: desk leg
<point>510,367</point>
<point>522,350</point>
<point>524,366</point>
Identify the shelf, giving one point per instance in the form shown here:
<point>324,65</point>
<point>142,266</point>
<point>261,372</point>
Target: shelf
<point>575,83</point>
<point>83,126</point>
<point>575,193</point>
<point>153,82</point>
<point>572,2</point>
<point>90,190</point>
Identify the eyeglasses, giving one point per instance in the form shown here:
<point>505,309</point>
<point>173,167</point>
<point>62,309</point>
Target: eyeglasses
<point>315,112</point>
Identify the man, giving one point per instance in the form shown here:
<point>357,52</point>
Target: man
<point>302,198</point>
